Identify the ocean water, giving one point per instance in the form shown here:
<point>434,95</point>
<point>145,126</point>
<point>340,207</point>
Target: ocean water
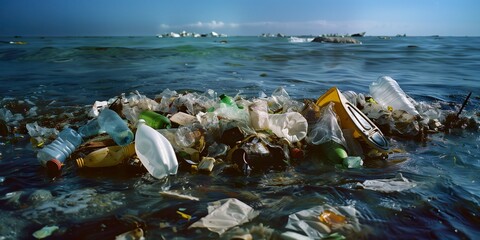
<point>61,77</point>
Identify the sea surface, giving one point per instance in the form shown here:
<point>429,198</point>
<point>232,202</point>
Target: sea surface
<point>60,77</point>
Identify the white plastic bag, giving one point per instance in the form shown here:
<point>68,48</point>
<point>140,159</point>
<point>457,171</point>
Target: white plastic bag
<point>396,184</point>
<point>225,214</point>
<point>292,126</point>
<point>259,114</point>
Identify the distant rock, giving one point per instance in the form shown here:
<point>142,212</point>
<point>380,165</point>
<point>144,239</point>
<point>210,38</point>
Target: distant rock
<point>358,34</point>
<point>336,40</point>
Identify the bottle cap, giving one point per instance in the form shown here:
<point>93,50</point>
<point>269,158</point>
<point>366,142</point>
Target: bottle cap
<point>53,166</point>
<point>296,153</point>
<point>140,122</point>
<point>80,162</point>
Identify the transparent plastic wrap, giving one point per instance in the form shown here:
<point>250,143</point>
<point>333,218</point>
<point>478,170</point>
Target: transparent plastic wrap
<point>321,221</point>
<point>225,214</point>
<point>327,128</point>
<point>387,92</point>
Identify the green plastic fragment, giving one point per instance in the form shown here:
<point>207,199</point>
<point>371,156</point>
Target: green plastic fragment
<point>45,232</point>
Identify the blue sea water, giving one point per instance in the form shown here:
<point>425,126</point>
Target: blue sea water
<point>65,74</point>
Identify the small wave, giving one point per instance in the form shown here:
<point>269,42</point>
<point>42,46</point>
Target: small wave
<point>299,39</point>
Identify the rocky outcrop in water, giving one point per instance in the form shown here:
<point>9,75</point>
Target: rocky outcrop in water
<point>336,40</point>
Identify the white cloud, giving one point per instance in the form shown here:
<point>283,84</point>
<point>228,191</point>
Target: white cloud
<point>288,27</point>
<point>209,25</point>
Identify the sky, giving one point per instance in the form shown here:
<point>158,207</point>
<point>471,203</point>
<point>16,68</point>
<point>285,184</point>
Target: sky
<point>239,17</point>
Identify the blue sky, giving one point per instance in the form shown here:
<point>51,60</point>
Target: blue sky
<point>239,17</point>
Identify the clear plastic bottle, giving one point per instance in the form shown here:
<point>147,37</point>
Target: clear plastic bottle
<point>92,128</point>
<point>53,155</point>
<point>107,156</point>
<point>387,92</point>
<point>155,120</point>
<point>111,123</point>
<point>155,151</point>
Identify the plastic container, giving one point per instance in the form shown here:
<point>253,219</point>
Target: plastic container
<point>259,114</point>
<point>155,151</point>
<point>387,92</point>
<point>54,155</point>
<point>114,125</point>
<point>155,120</point>
<point>292,126</point>
<point>107,156</point>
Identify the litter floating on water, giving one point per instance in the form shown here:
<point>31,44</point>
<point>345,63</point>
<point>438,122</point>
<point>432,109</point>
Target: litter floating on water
<point>225,214</point>
<point>45,232</point>
<point>258,134</point>
<point>321,221</point>
<point>178,195</point>
<point>396,184</point>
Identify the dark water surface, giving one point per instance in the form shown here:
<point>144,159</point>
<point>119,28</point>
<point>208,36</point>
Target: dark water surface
<point>66,75</point>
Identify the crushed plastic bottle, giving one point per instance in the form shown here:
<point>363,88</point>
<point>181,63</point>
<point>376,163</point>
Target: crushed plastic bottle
<point>107,156</point>
<point>387,92</point>
<point>53,155</point>
<point>155,151</point>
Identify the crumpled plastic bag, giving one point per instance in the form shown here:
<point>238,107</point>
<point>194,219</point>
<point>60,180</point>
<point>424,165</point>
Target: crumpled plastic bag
<point>327,128</point>
<point>291,125</point>
<point>319,222</point>
<point>396,184</point>
<point>225,214</point>
<point>259,114</point>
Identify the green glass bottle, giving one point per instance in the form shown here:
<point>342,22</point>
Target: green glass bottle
<point>227,100</point>
<point>155,120</point>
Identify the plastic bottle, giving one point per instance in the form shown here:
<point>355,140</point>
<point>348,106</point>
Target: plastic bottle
<point>387,92</point>
<point>53,155</point>
<point>227,100</point>
<point>335,153</point>
<point>107,156</point>
<point>155,120</point>
<point>92,128</point>
<point>155,151</point>
<point>114,125</point>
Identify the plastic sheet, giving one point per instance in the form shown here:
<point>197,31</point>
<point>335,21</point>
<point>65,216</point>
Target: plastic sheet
<point>396,184</point>
<point>97,107</point>
<point>34,130</point>
<point>225,214</point>
<point>319,222</point>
